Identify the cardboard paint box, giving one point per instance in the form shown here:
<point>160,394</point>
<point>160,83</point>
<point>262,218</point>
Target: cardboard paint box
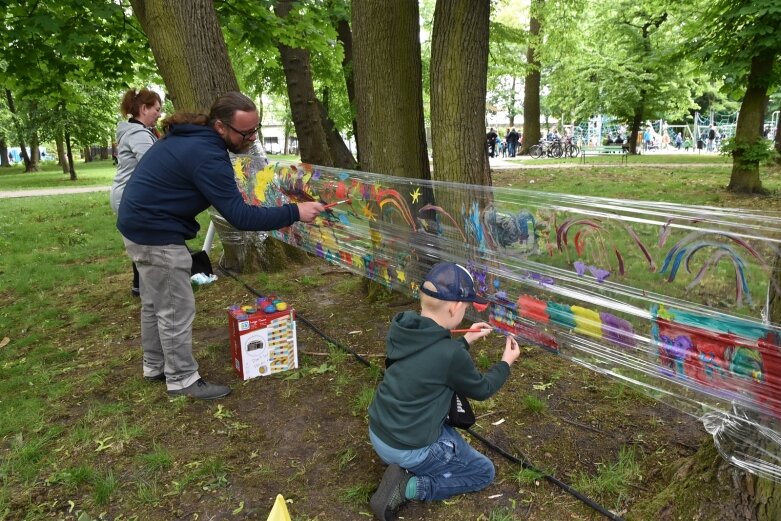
<point>262,343</point>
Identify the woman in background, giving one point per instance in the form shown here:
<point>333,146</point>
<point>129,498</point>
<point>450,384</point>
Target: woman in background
<point>134,137</point>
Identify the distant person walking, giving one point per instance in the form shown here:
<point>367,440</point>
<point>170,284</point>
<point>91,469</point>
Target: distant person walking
<point>678,141</point>
<point>648,138</point>
<point>134,137</point>
<point>513,138</point>
<point>490,141</point>
<point>713,134</point>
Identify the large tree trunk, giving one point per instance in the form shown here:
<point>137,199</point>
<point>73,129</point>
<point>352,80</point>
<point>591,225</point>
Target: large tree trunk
<point>391,135</point>
<point>389,95</point>
<point>312,142</point>
<point>531,88</point>
<point>4,162</point>
<point>189,49</point>
<point>745,170</point>
<point>459,68</point>
<point>191,55</point>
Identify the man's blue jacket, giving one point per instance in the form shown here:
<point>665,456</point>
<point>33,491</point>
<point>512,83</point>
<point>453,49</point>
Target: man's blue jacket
<point>181,176</point>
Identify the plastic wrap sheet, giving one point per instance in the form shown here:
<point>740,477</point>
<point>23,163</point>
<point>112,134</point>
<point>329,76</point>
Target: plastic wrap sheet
<point>669,298</point>
<point>240,243</point>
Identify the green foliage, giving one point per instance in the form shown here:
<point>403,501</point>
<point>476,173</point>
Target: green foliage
<point>730,33</point>
<point>624,57</point>
<point>253,31</point>
<point>64,63</point>
<point>507,44</point>
<point>760,151</point>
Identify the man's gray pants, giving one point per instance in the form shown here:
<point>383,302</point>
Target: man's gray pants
<point>167,312</point>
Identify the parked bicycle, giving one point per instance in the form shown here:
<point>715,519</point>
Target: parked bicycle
<point>547,149</point>
<point>555,149</point>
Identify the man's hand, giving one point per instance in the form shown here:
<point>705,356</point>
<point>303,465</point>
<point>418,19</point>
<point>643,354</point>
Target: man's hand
<point>308,211</point>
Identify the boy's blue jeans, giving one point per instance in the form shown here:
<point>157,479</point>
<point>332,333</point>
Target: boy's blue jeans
<point>447,467</point>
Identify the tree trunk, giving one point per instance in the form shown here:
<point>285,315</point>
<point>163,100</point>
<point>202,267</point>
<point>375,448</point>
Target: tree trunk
<point>459,68</point>
<point>389,96</point>
<point>312,143</point>
<point>191,55</point>
<point>391,135</point>
<point>345,35</point>
<point>511,104</point>
<point>531,88</point>
<point>4,162</point>
<point>71,170</point>
<point>341,155</point>
<point>87,153</point>
<point>745,170</point>
<point>637,123</point>
<point>189,49</point>
<point>104,150</point>
<point>62,157</point>
<point>22,145</point>
<point>35,154</point>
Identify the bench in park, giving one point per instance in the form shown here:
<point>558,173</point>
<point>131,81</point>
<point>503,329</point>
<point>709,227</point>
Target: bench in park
<point>607,150</point>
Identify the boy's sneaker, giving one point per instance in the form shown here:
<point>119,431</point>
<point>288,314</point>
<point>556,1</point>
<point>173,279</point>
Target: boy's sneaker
<point>390,494</point>
<point>156,378</point>
<point>202,390</point>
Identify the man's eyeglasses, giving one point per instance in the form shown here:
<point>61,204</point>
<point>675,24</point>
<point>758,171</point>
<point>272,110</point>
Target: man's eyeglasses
<point>246,134</point>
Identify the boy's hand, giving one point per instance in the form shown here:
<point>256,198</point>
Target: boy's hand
<point>511,351</point>
<point>486,330</point>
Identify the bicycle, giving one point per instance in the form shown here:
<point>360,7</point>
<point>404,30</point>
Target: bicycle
<point>548,148</point>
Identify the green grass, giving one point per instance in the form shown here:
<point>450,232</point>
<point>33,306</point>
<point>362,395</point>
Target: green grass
<point>612,480</point>
<point>53,262</point>
<point>533,404</point>
<point>95,173</point>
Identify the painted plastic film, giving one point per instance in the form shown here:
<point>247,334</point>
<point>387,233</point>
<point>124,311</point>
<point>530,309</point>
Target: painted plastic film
<point>669,298</point>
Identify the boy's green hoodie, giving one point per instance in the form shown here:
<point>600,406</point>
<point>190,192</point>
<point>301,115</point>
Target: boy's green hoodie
<point>413,399</point>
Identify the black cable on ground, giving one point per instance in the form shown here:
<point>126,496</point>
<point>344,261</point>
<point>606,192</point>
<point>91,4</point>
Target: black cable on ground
<point>599,508</point>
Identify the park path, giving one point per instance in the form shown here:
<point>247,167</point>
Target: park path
<point>52,191</point>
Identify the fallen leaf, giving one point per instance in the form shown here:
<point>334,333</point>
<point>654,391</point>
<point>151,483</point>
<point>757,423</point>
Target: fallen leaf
<point>4,342</point>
